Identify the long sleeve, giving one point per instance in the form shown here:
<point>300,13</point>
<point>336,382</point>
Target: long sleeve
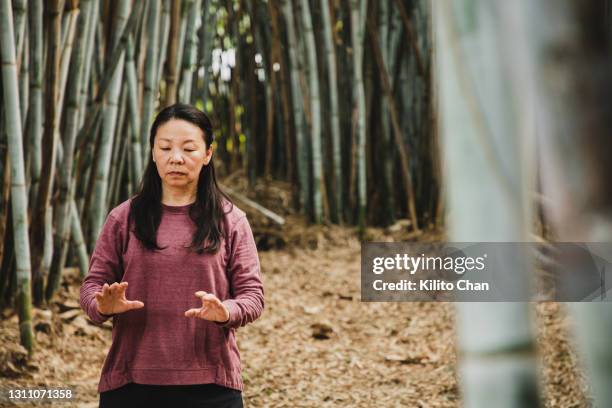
<point>246,288</point>
<point>105,266</point>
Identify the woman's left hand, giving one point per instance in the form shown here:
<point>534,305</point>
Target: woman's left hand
<point>212,309</point>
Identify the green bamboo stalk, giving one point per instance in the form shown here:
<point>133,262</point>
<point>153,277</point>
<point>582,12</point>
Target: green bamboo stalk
<point>315,109</point>
<point>171,64</point>
<point>5,189</point>
<point>136,166</point>
<point>118,146</point>
<point>50,140</point>
<point>19,17</point>
<point>164,31</point>
<point>574,136</point>
<point>66,194</point>
<point>89,38</point>
<point>388,210</point>
<point>297,99</point>
<point>189,58</point>
<point>93,114</point>
<point>24,87</point>
<point>122,158</point>
<point>495,339</point>
<point>77,239</point>
<point>335,114</point>
<point>19,199</point>
<point>357,32</point>
<point>206,43</point>
<point>182,35</point>
<point>98,57</point>
<point>65,59</point>
<point>101,183</point>
<point>397,132</point>
<point>284,126</point>
<point>35,16</point>
<point>150,88</point>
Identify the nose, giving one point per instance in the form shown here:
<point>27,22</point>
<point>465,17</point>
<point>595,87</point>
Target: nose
<point>176,157</point>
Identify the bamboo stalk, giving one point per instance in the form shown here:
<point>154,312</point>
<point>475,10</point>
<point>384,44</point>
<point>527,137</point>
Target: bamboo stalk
<point>359,95</point>
<point>411,37</point>
<point>573,97</point>
<point>298,113</point>
<point>182,35</point>
<point>171,75</point>
<point>120,137</point>
<point>497,357</point>
<point>62,233</point>
<point>19,199</point>
<point>92,114</point>
<point>150,88</point>
<point>24,87</point>
<point>277,219</point>
<point>315,108</point>
<point>136,166</point>
<point>388,199</point>
<point>210,19</point>
<point>38,231</point>
<point>77,239</point>
<point>101,184</point>
<point>65,60</point>
<point>189,58</point>
<point>19,19</point>
<point>163,38</point>
<point>90,41</point>
<point>400,145</point>
<point>35,16</point>
<point>335,114</point>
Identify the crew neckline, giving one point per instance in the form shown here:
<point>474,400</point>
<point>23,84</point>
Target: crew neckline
<point>179,209</point>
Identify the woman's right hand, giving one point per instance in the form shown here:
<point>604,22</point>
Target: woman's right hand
<point>111,300</point>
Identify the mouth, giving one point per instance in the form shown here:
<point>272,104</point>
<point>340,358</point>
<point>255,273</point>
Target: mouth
<point>176,173</point>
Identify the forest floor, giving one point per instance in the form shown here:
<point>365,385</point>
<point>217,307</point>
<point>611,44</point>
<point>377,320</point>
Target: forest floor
<point>316,344</point>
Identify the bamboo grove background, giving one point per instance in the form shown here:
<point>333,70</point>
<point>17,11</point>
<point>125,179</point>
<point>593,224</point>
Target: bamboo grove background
<point>307,91</point>
<point>335,97</point>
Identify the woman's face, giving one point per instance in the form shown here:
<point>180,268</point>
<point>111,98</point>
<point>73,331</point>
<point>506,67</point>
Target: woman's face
<point>179,152</point>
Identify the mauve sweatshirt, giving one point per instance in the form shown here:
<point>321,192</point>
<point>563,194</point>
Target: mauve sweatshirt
<point>157,344</point>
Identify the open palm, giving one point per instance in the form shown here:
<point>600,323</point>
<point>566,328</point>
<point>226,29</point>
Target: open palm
<point>212,309</point>
<point>111,299</point>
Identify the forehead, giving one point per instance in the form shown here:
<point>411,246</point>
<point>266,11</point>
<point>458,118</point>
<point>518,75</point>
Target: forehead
<point>179,131</point>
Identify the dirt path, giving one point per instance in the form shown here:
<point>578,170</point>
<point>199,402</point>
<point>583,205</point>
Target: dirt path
<point>316,345</point>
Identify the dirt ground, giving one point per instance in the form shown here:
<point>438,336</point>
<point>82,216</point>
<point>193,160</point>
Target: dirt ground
<point>316,344</point>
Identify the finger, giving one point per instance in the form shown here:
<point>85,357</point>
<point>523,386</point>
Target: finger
<point>135,304</point>
<point>105,290</point>
<point>114,288</point>
<point>193,312</point>
<point>211,299</point>
<point>200,293</point>
<point>122,288</point>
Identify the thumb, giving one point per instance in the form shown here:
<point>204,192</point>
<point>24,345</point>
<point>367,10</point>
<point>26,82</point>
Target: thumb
<point>135,304</point>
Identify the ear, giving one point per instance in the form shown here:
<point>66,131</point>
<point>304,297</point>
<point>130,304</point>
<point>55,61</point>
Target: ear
<point>208,157</point>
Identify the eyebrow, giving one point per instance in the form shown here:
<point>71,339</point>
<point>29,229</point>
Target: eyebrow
<point>186,141</point>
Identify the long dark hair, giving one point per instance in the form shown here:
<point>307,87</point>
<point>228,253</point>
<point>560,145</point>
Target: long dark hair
<point>207,211</point>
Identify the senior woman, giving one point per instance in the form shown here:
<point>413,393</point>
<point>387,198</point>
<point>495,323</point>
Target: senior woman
<point>177,269</point>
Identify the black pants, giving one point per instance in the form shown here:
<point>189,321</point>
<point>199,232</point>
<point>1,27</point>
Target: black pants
<point>134,395</point>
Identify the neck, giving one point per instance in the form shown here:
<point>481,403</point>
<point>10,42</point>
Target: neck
<point>172,196</point>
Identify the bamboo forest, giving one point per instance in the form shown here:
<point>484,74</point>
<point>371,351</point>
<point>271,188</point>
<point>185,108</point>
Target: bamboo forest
<point>338,125</point>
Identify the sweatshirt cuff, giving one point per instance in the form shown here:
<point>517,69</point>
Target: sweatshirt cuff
<point>234,314</point>
<point>95,315</point>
